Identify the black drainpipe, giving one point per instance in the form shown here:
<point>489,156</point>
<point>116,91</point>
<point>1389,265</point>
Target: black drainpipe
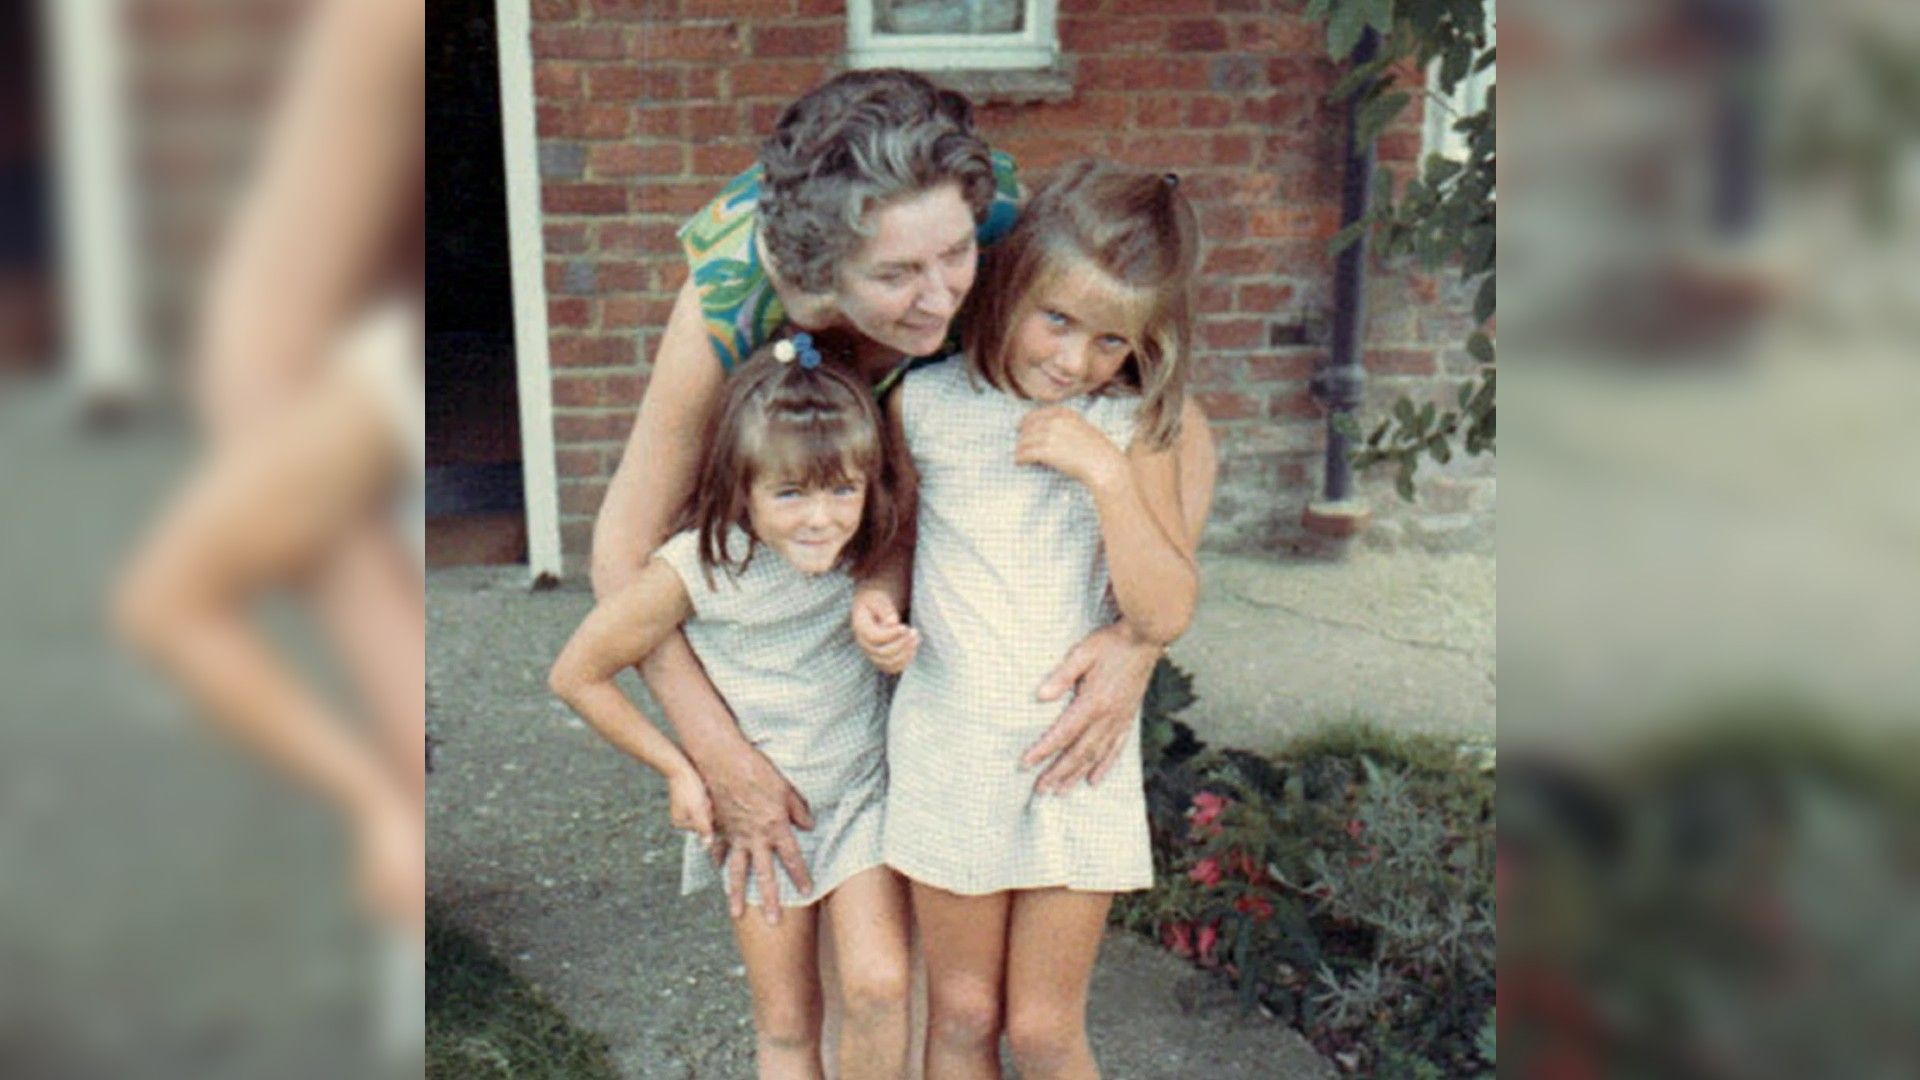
<point>1339,384</point>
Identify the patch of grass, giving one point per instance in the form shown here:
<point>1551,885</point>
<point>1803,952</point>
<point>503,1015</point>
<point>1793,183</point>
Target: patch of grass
<point>484,1021</point>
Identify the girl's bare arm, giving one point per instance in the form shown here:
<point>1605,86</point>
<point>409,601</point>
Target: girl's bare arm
<point>619,631</point>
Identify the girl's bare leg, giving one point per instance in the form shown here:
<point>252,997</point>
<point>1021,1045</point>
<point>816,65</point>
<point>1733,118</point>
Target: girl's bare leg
<point>965,938</point>
<point>1054,939</point>
<point>784,977</point>
<point>869,921</point>
<point>260,513</point>
<point>369,598</point>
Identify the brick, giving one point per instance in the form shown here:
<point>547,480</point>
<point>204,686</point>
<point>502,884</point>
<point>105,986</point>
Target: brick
<point>703,83</point>
<point>555,10</point>
<point>554,81</point>
<point>629,83</point>
<point>676,198</point>
<point>1086,112</point>
<point>736,9</point>
<point>1228,405</point>
<point>1037,155</point>
<point>1288,364</point>
<point>582,496</point>
<point>1232,333</point>
<point>562,161</point>
<point>1159,151</point>
<point>722,159</point>
<point>764,116</point>
<point>714,41</point>
<point>564,239</point>
<point>1236,74</point>
<point>584,463</point>
<point>580,121</point>
<point>1222,222</point>
<point>636,9</point>
<point>583,199</point>
<point>619,277</point>
<point>1214,298</point>
<point>1197,35</point>
<point>805,40</point>
<point>1239,187</point>
<point>660,121</point>
<point>630,159</point>
<point>569,276</point>
<point>1159,112</point>
<point>576,428</point>
<point>667,278</point>
<point>579,42</point>
<point>1274,110</point>
<point>1311,72</point>
<point>782,78</point>
<point>1242,260</point>
<point>570,312</point>
<point>712,121</point>
<point>1091,37</point>
<point>1262,297</point>
<point>1276,34</point>
<point>813,8</point>
<point>573,390</point>
<point>650,238</point>
<point>1231,150</point>
<point>1294,404</point>
<point>1316,222</point>
<point>631,311</point>
<point>1399,361</point>
<point>1209,112</point>
<point>1398,146</point>
<point>575,350</point>
<point>1144,73</point>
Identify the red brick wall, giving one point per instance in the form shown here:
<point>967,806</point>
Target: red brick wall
<point>646,106</point>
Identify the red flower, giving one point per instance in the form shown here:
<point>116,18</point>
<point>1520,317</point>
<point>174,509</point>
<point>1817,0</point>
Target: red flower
<point>1244,866</point>
<point>1206,871</point>
<point>1256,906</point>
<point>1355,827</point>
<point>1178,938</point>
<point>1204,941</point>
<point>1207,808</point>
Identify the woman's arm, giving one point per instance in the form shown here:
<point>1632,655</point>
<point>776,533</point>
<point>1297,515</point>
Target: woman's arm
<point>753,803</point>
<point>881,597</point>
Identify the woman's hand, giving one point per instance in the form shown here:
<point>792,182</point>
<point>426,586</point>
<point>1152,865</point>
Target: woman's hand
<point>878,630</point>
<point>1108,672</point>
<point>1061,439</point>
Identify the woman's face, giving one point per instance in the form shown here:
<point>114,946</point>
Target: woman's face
<point>903,286</point>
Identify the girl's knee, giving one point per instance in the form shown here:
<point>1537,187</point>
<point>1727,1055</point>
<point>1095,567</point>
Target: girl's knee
<point>875,987</point>
<point>787,1024</point>
<point>1042,1035</point>
<point>964,1016</point>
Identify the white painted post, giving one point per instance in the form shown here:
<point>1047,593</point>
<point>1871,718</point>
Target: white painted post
<point>93,173</point>
<point>538,467</point>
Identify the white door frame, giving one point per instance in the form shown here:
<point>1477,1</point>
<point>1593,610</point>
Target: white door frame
<point>526,241</point>
<point>93,168</point>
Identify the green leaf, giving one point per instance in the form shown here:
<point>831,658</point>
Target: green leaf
<point>1440,168</point>
<point>1343,29</point>
<point>1380,14</point>
<point>1439,449</point>
<point>1379,433</point>
<point>1466,391</point>
<point>1403,481</point>
<point>1376,114</point>
<point>1403,412</point>
<point>1425,420</point>
<point>1483,301</point>
<point>1344,239</point>
<point>1347,426</point>
<point>1485,61</point>
<point>1317,9</point>
<point>1361,76</point>
<point>1480,346</point>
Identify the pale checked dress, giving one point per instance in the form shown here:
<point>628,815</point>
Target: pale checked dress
<point>1009,573</point>
<point>778,646</point>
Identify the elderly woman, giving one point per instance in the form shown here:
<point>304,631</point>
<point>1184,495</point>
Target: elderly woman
<point>861,223</point>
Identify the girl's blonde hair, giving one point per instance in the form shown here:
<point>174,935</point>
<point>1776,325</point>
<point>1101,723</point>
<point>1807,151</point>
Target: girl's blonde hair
<point>1136,228</point>
<point>811,426</point>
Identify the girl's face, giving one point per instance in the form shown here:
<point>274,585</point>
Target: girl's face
<point>807,526</point>
<point>1073,338</point>
<point>903,286</point>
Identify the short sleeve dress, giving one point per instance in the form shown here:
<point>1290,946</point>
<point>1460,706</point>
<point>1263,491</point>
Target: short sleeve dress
<point>778,647</point>
<point>1009,573</point>
<point>740,307</point>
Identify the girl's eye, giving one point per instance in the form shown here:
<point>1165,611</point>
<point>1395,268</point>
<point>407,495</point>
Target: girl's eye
<point>1053,318</point>
<point>787,493</point>
<point>844,490</point>
<point>1113,342</point>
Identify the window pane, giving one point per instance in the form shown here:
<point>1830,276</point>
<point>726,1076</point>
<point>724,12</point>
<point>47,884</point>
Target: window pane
<point>949,16</point>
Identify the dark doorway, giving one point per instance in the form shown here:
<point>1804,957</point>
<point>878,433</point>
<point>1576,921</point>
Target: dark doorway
<point>476,509</point>
<point>29,269</point>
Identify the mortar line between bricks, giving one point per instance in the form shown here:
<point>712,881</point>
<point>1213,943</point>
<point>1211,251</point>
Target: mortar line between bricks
<point>1269,605</point>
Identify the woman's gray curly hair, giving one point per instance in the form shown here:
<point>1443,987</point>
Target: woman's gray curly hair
<point>861,138</point>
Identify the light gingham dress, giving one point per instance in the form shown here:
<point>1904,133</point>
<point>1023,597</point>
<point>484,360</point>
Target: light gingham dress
<point>1009,573</point>
<point>778,647</point>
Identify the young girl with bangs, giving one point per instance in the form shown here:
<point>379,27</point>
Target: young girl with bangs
<point>794,492</point>
<point>1048,503</point>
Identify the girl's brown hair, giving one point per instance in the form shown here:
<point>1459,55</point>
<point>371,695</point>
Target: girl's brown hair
<point>813,426</point>
<point>1136,228</point>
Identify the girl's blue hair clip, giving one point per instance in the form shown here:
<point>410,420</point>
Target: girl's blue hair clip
<point>808,356</point>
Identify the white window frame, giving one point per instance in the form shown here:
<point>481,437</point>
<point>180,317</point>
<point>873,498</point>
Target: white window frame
<point>1038,46</point>
<point>1469,96</point>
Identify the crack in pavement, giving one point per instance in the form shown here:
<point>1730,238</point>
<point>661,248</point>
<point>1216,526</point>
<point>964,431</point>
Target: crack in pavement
<point>1417,643</point>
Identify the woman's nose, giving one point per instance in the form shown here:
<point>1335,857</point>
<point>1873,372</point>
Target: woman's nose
<point>937,297</point>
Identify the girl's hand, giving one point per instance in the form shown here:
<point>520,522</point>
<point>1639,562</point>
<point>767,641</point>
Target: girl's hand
<point>888,642</point>
<point>1063,440</point>
<point>689,807</point>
